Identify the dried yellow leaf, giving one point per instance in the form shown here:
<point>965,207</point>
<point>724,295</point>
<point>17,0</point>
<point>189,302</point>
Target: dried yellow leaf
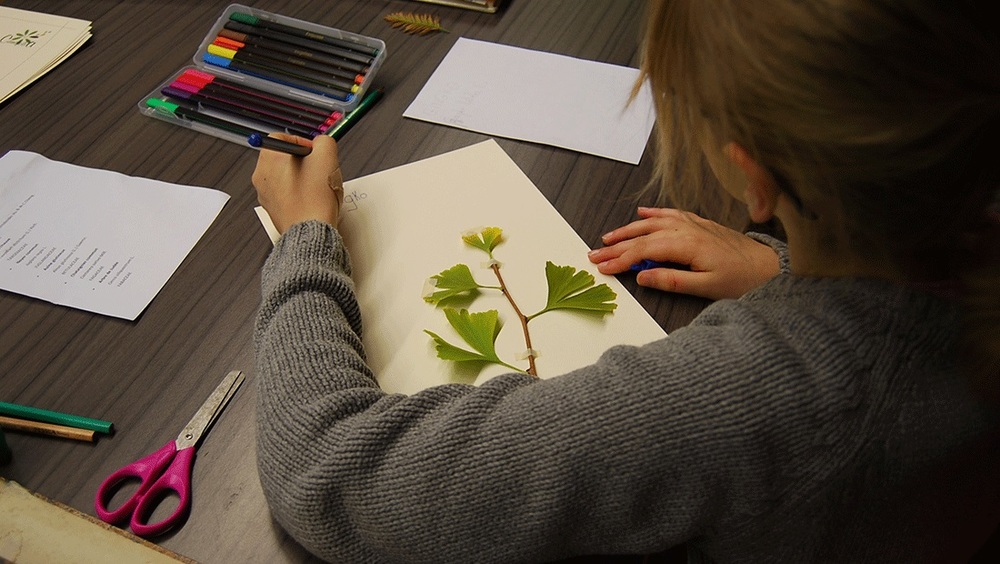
<point>419,24</point>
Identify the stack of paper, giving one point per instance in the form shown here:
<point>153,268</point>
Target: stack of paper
<point>32,44</point>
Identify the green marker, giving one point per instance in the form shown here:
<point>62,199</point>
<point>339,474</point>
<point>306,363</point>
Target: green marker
<point>46,416</point>
<point>176,110</point>
<point>348,121</point>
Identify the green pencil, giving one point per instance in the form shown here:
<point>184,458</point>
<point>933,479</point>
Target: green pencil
<point>348,121</point>
<point>44,415</point>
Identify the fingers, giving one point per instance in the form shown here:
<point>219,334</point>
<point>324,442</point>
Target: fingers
<point>646,225</point>
<point>325,150</point>
<point>665,235</point>
<point>296,189</point>
<point>722,263</point>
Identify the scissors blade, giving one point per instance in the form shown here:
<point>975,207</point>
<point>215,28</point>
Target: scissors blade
<point>209,410</point>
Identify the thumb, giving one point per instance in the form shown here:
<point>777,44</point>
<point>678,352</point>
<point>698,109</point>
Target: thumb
<point>678,281</point>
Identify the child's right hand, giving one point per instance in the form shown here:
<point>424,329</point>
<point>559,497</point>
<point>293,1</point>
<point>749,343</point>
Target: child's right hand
<point>296,189</point>
<point>723,263</point>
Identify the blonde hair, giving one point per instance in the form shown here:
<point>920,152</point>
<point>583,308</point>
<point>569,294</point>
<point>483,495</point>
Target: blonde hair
<point>875,116</point>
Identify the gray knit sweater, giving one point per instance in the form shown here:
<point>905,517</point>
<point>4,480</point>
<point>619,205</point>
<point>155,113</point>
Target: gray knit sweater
<point>813,419</point>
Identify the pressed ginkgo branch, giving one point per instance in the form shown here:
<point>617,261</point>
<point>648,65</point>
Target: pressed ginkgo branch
<point>568,288</point>
<point>495,267</point>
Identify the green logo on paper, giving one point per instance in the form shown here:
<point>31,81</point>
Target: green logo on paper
<point>26,38</point>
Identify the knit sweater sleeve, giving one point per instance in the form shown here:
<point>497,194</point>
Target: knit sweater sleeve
<point>779,246</point>
<point>645,449</point>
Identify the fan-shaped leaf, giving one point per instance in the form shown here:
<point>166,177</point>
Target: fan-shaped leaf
<point>570,288</point>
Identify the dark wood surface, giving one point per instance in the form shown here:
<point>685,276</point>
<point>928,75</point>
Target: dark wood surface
<point>148,376</point>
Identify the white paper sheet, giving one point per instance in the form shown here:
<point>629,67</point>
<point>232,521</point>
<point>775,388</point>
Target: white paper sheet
<point>405,224</point>
<point>32,43</point>
<point>94,239</point>
<point>541,97</point>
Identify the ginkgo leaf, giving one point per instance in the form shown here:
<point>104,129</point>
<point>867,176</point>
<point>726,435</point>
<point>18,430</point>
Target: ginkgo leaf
<point>570,288</point>
<point>419,24</point>
<point>453,282</point>
<point>486,239</point>
<point>479,330</point>
<point>448,351</point>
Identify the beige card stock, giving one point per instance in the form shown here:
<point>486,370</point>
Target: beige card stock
<point>405,224</point>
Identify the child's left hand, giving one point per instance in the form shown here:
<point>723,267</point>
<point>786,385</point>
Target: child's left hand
<point>723,263</point>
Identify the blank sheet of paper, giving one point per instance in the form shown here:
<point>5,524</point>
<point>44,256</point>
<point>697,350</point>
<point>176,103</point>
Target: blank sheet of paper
<point>94,239</point>
<point>540,97</point>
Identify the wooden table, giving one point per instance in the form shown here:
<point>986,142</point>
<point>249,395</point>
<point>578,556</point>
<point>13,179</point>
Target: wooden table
<point>149,375</point>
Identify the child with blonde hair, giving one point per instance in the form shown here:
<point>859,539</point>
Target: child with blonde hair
<point>838,402</point>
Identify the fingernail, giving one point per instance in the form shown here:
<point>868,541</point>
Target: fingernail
<point>591,252</point>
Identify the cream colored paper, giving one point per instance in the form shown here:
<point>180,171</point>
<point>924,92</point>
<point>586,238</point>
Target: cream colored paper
<point>405,224</point>
<point>32,43</point>
<point>33,530</point>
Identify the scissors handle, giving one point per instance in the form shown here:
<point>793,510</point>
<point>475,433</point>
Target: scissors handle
<point>176,478</point>
<point>146,469</point>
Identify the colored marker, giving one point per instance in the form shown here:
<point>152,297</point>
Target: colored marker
<point>235,108</point>
<point>268,104</point>
<point>207,80</point>
<point>318,121</point>
<point>305,34</point>
<point>316,72</point>
<point>194,115</point>
<point>240,39</point>
<point>337,131</point>
<point>345,124</point>
<point>646,264</point>
<point>55,417</point>
<point>275,76</point>
<point>350,63</point>
<point>264,142</point>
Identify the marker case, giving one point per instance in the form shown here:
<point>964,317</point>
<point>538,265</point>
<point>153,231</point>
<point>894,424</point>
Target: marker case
<point>307,94</point>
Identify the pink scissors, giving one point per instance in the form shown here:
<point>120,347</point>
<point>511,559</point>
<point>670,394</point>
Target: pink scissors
<point>164,471</point>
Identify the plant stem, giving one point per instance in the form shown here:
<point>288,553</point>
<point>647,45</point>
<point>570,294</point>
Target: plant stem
<point>520,316</point>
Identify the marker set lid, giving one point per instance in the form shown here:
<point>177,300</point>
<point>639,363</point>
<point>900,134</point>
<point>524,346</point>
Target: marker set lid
<point>257,71</point>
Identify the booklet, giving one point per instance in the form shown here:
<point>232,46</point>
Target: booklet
<point>32,44</point>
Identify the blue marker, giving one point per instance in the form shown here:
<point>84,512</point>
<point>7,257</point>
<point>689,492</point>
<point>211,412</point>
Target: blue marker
<point>646,264</point>
<point>259,140</point>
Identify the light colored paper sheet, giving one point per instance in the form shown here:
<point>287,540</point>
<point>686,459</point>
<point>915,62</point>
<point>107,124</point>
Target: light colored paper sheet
<point>94,239</point>
<point>32,43</point>
<point>540,97</point>
<point>405,224</point>
<point>37,531</point>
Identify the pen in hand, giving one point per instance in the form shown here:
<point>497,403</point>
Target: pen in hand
<point>262,141</point>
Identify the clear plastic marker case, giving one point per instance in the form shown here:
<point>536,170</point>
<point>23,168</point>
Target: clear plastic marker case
<point>259,96</point>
